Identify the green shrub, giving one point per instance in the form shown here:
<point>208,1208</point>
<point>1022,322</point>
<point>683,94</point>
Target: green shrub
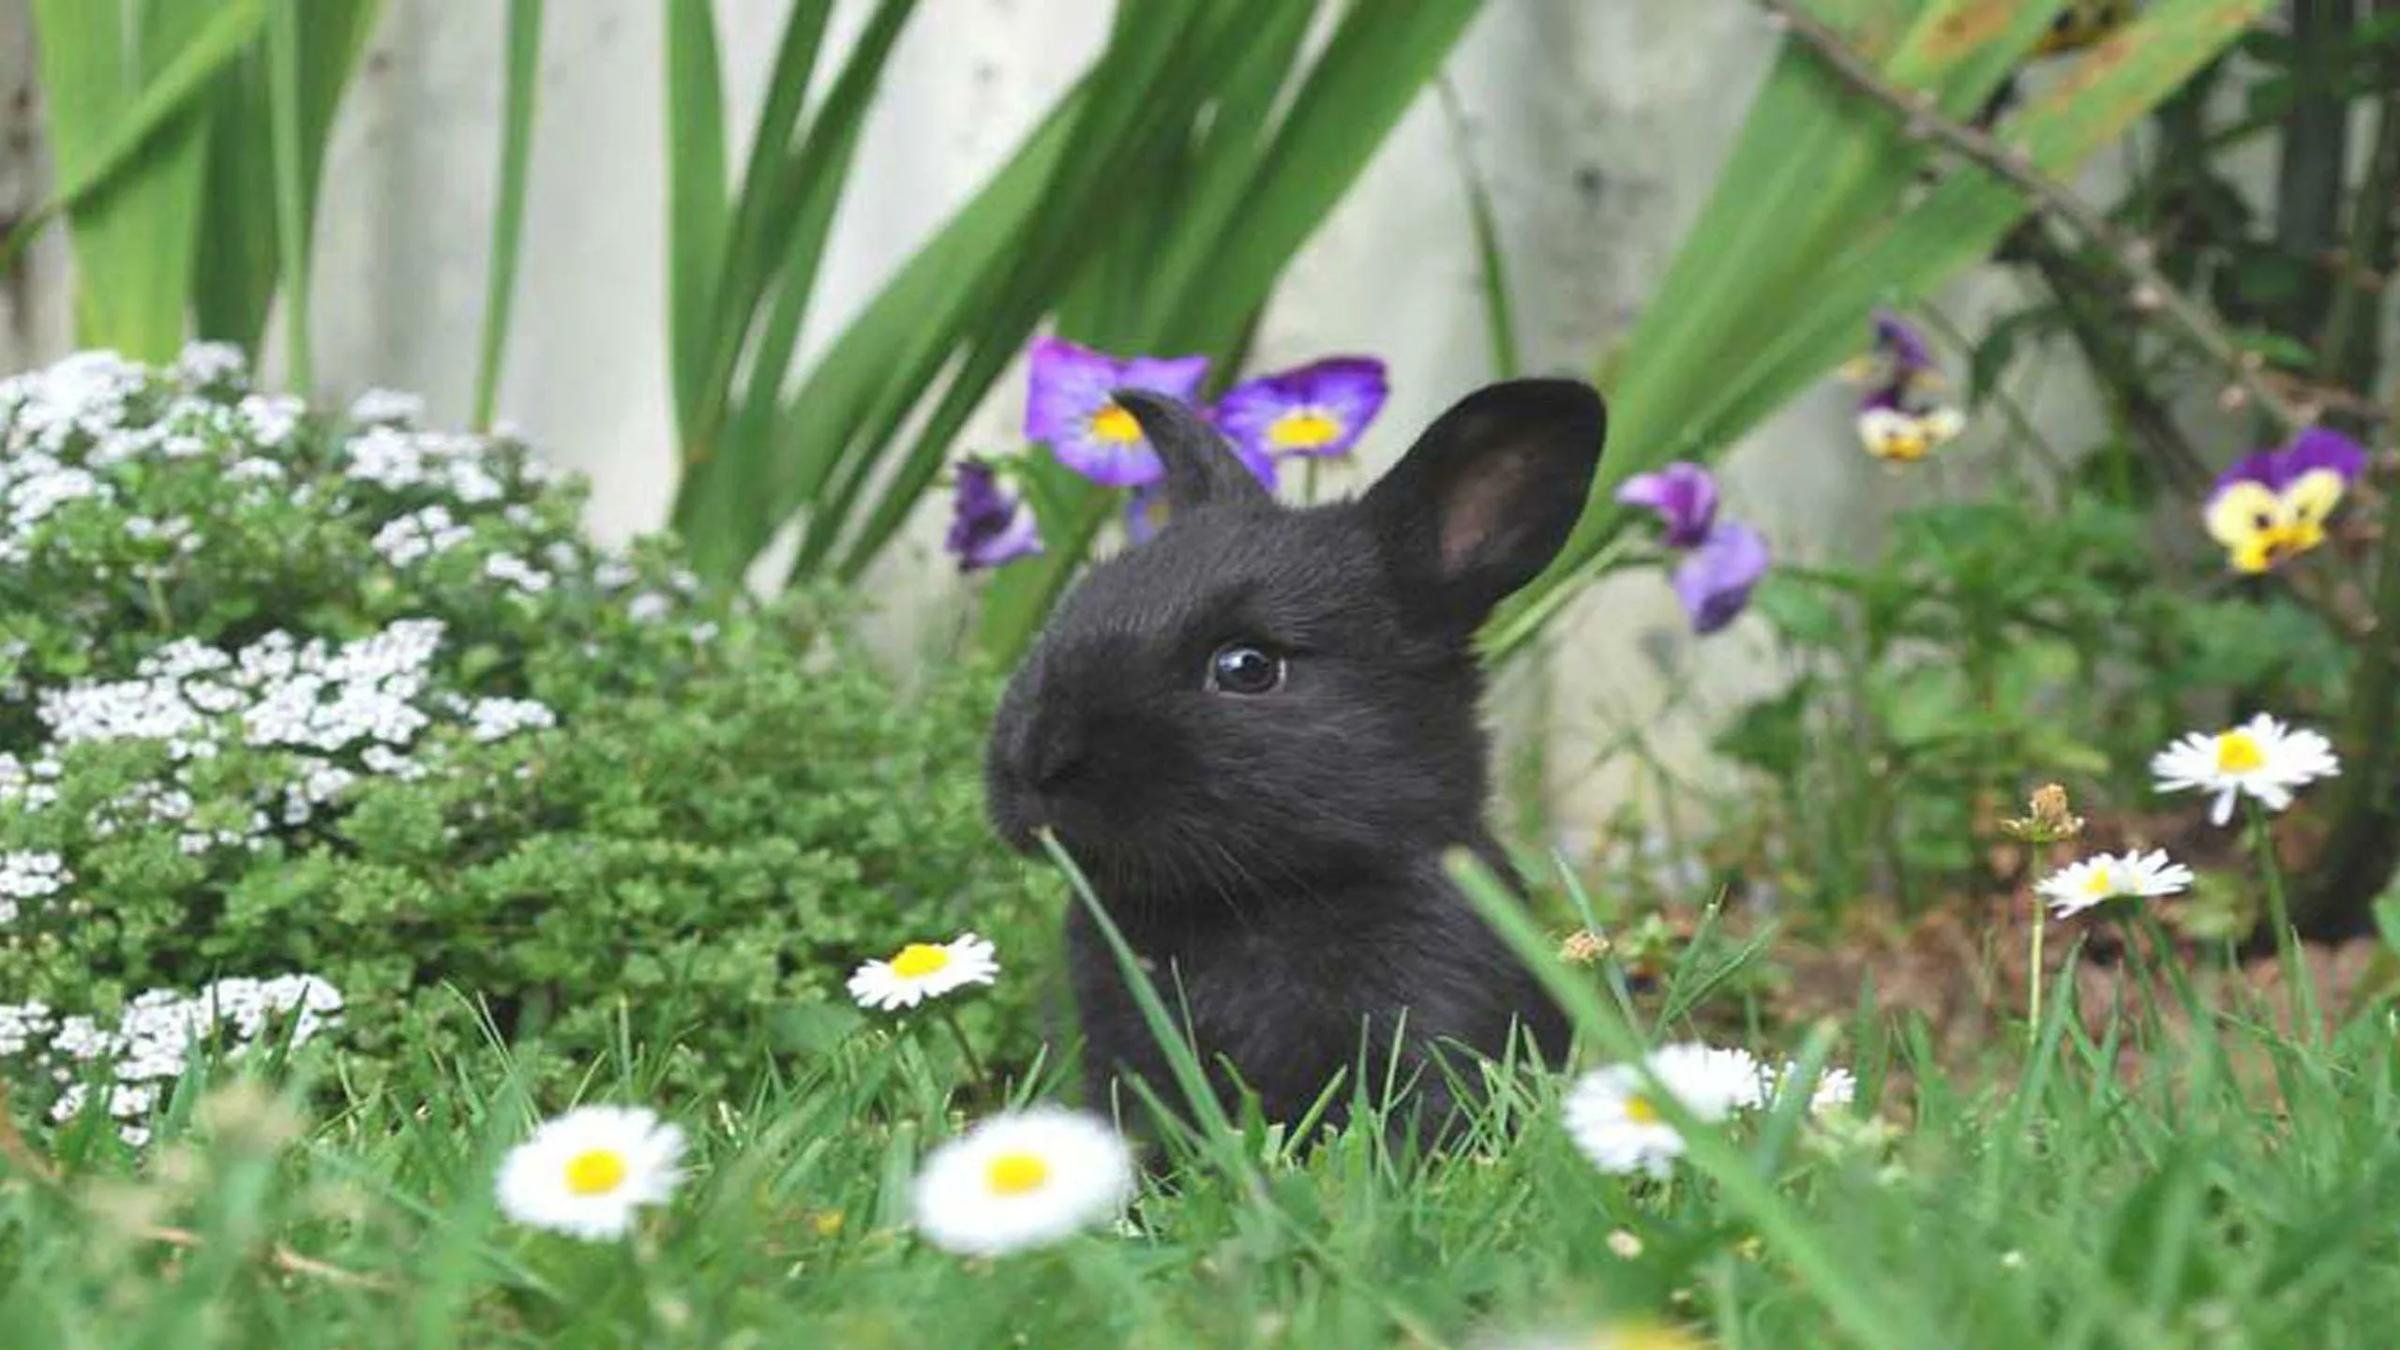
<point>287,694</point>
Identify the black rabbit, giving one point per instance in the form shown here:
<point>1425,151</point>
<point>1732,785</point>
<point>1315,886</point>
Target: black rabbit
<point>1258,733</point>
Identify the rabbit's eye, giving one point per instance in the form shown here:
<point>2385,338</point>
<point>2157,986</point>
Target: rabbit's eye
<point>1244,668</point>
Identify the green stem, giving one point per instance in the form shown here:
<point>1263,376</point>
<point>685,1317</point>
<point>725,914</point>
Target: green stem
<point>2033,976</point>
<point>2288,956</point>
<point>966,1048</point>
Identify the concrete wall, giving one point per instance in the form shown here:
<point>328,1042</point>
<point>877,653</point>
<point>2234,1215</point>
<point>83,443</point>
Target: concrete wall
<point>1599,124</point>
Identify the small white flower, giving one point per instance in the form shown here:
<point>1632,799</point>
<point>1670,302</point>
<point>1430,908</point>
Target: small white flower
<point>1022,1179</point>
<point>1616,1122</point>
<point>2262,757</point>
<point>388,405</point>
<point>586,1172</point>
<point>2112,876</point>
<point>923,970</point>
<point>1836,1087</point>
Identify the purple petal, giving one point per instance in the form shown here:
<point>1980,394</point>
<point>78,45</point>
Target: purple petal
<point>1897,338</point>
<point>1065,385</point>
<point>2263,467</point>
<point>1068,408</point>
<point>1178,377</point>
<point>1684,496</point>
<point>2324,448</point>
<point>1713,581</point>
<point>1317,409</point>
<point>1145,513</point>
<point>988,527</point>
<point>2314,449</point>
<point>1884,396</point>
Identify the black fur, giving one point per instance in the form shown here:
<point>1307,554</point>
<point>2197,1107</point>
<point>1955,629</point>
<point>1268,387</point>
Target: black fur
<point>1275,858</point>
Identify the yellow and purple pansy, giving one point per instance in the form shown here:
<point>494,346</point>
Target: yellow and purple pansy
<point>988,525</point>
<point>1897,422</point>
<point>2272,505</point>
<point>1721,560</point>
<point>1070,408</point>
<point>1317,409</point>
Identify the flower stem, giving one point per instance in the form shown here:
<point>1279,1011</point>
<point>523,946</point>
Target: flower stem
<point>2288,956</point>
<point>966,1048</point>
<point>2033,977</point>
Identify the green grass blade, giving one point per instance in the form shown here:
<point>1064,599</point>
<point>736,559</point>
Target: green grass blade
<point>508,218</point>
<point>697,210</point>
<point>291,192</point>
<point>1499,311</point>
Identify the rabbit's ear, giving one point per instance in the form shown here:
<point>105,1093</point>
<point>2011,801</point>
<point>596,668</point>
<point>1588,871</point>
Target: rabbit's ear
<point>1201,467</point>
<point>1488,495</point>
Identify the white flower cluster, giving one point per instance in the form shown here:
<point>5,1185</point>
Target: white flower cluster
<point>154,1037</point>
<point>419,535</point>
<point>29,876</point>
<point>341,710</point>
<point>516,572</point>
<point>401,460</point>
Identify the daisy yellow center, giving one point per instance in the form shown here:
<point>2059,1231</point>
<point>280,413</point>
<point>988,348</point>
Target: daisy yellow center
<point>1305,429</point>
<point>920,959</point>
<point>2100,885</point>
<point>595,1171</point>
<point>1115,425</point>
<point>1015,1174</point>
<point>1639,1110</point>
<point>2239,752</point>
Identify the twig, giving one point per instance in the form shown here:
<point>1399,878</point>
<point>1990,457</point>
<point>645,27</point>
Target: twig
<point>2152,288</point>
<point>279,1256</point>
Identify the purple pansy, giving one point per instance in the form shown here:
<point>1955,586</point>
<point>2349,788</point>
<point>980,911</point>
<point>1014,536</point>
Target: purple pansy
<point>988,527</point>
<point>1316,409</point>
<point>1722,561</point>
<point>1068,407</point>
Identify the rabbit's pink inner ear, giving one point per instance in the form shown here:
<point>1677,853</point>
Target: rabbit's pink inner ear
<point>1478,510</point>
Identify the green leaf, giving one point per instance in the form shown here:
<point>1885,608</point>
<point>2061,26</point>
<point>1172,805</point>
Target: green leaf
<point>508,219</point>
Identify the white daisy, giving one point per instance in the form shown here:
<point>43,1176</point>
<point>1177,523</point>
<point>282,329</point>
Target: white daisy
<point>584,1173</point>
<point>923,970</point>
<point>2112,876</point>
<point>1022,1179</point>
<point>1615,1121</point>
<point>2261,757</point>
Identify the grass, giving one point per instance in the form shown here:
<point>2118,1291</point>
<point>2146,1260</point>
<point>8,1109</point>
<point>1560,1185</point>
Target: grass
<point>2232,1186</point>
